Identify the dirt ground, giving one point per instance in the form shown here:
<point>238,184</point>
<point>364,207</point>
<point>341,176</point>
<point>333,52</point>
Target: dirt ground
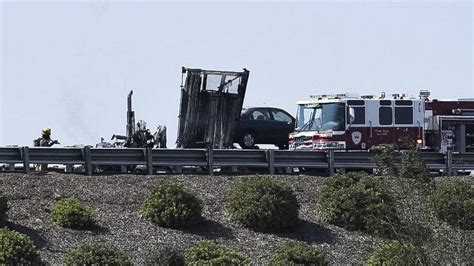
<point>116,200</point>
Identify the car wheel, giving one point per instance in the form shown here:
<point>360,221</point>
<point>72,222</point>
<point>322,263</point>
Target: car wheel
<point>247,140</point>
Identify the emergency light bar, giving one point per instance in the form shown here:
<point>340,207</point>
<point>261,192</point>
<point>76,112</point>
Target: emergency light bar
<point>334,96</point>
<point>399,96</point>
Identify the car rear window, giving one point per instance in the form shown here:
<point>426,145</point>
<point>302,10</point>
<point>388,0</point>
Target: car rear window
<point>281,116</point>
<point>260,115</point>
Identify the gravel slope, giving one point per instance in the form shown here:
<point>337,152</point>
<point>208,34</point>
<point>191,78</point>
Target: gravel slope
<point>116,200</point>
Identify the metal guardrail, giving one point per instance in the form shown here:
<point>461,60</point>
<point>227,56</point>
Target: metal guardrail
<point>176,157</point>
<point>210,159</point>
<point>11,156</point>
<point>243,158</point>
<point>356,160</point>
<point>434,160</point>
<point>463,161</point>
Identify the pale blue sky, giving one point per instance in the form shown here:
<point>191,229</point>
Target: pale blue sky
<point>70,65</point>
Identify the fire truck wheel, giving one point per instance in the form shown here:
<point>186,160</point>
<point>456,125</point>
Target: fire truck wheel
<point>247,140</point>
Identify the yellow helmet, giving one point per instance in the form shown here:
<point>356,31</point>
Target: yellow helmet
<point>46,131</point>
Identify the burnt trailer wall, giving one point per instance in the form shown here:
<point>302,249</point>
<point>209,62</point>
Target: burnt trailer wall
<point>211,103</point>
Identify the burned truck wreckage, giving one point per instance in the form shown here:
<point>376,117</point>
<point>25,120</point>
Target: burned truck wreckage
<point>138,136</point>
<point>209,113</point>
<point>210,107</point>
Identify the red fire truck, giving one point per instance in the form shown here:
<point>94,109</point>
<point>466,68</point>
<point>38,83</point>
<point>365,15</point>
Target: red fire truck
<point>351,122</point>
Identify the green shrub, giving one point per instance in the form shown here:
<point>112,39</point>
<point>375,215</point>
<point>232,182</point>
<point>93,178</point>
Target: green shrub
<point>17,249</point>
<point>263,203</point>
<point>3,209</point>
<point>385,158</point>
<point>172,205</point>
<point>413,167</point>
<point>96,254</point>
<point>299,253</point>
<point>396,253</point>
<point>167,256</point>
<point>209,253</point>
<point>358,201</point>
<point>453,202</point>
<point>71,213</point>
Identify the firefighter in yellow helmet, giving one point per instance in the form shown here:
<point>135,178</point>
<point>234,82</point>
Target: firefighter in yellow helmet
<point>44,141</point>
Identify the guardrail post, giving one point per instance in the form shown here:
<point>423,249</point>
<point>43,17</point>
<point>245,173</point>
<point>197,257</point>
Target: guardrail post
<point>330,155</point>
<point>210,160</point>
<point>271,161</point>
<point>123,169</point>
<point>449,162</point>
<point>25,153</point>
<point>11,167</point>
<point>68,168</point>
<point>87,160</point>
<point>149,160</point>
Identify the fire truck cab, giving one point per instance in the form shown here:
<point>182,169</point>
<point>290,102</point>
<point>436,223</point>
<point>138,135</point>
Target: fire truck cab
<point>352,122</point>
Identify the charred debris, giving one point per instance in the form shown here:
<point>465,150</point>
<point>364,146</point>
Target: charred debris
<point>209,113</point>
<point>210,107</point>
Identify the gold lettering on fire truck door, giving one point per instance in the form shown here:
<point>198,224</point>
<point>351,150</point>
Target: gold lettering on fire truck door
<point>381,132</point>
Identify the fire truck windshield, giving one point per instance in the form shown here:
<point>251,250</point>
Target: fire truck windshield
<point>321,117</point>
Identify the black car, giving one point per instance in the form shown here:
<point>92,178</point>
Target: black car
<point>264,125</point>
